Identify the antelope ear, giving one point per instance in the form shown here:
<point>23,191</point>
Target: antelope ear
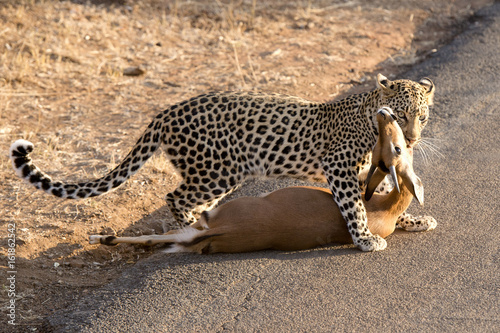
<point>429,86</point>
<point>414,184</point>
<point>375,176</point>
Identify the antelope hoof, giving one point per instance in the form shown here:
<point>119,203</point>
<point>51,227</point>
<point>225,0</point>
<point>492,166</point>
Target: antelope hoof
<point>106,240</point>
<point>95,239</point>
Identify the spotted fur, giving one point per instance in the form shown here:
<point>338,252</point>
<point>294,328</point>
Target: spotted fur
<point>217,140</point>
<point>416,223</point>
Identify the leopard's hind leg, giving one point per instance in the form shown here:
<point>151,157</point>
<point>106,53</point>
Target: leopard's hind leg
<point>188,201</point>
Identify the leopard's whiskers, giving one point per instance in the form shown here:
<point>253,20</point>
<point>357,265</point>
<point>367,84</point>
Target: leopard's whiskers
<point>429,150</point>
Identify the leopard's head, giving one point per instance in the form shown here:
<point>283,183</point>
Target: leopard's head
<point>410,101</point>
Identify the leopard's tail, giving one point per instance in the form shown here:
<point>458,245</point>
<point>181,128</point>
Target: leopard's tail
<point>147,144</point>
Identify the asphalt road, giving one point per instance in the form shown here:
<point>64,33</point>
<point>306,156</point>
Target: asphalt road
<point>446,280</point>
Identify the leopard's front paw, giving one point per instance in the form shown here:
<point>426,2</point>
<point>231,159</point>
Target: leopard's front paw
<point>371,243</point>
<point>416,223</point>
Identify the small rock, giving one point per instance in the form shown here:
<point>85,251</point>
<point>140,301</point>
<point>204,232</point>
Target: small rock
<point>78,263</point>
<point>133,71</point>
<point>20,242</point>
<point>151,84</point>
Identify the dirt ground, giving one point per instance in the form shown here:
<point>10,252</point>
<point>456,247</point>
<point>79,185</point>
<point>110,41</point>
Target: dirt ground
<point>81,80</point>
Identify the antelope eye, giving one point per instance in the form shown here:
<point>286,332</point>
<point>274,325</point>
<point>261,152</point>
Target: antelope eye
<point>401,115</point>
<point>398,150</point>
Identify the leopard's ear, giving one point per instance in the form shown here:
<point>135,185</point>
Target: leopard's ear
<point>385,84</point>
<point>429,86</point>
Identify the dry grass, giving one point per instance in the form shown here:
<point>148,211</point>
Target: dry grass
<point>63,85</point>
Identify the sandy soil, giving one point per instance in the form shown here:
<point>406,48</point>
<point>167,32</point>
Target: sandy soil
<point>82,81</point>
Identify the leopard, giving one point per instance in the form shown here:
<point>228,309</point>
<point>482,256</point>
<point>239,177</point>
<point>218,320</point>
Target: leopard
<point>217,140</point>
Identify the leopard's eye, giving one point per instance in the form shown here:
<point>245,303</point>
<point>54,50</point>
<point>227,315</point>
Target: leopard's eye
<point>422,117</point>
<point>401,115</point>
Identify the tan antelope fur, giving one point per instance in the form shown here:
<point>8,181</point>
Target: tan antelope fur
<point>297,218</point>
